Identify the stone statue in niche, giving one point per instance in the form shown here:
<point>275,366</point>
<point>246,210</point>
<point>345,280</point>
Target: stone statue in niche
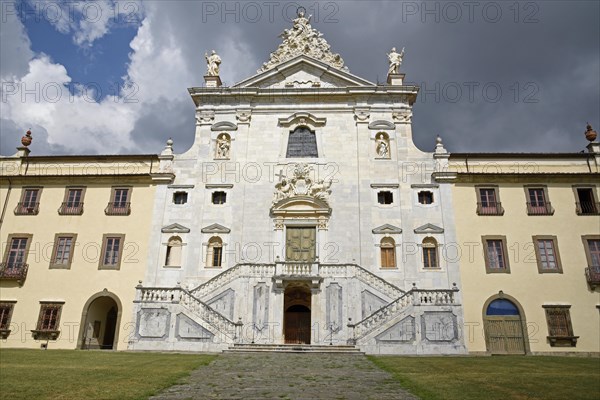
<point>395,60</point>
<point>223,146</point>
<point>382,146</point>
<point>213,63</point>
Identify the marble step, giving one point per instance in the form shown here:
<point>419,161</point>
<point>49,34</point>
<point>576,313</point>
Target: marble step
<point>292,348</point>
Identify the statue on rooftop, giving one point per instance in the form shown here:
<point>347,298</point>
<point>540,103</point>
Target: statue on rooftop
<point>395,60</point>
<point>213,63</point>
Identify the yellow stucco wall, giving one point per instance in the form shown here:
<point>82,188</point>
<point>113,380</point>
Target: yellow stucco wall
<point>75,286</point>
<point>524,283</point>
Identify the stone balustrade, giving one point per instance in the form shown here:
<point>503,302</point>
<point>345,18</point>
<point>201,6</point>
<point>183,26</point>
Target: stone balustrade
<point>297,268</point>
<point>186,299</point>
<point>229,275</point>
<point>415,297</point>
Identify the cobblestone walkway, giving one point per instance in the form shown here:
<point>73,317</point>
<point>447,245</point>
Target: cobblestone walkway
<point>288,376</point>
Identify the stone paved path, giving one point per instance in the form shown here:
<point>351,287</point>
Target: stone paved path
<point>288,376</point>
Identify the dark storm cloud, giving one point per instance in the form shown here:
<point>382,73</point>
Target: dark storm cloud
<point>524,80</point>
<point>494,76</point>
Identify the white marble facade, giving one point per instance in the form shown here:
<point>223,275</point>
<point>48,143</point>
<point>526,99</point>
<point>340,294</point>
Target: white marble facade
<point>240,159</point>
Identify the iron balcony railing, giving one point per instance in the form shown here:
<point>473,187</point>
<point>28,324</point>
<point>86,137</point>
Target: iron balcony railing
<point>71,209</point>
<point>592,274</point>
<point>13,271</point>
<point>540,209</point>
<point>587,208</point>
<point>27,208</point>
<point>490,209</point>
<point>118,208</point>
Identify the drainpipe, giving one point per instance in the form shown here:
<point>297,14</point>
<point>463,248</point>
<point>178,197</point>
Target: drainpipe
<point>5,202</point>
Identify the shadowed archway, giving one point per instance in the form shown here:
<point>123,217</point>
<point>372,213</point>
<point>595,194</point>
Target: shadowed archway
<point>100,322</point>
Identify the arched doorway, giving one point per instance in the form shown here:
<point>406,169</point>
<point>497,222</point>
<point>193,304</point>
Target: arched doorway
<point>100,322</point>
<point>504,326</point>
<point>296,318</point>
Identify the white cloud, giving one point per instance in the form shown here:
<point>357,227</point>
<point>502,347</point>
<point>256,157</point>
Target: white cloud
<point>86,21</point>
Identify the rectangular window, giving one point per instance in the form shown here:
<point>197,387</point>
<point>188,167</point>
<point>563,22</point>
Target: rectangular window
<point>586,202</point>
<point>6,309</point>
<point>62,255</point>
<point>385,197</point>
<point>302,142</point>
<point>537,202</point>
<point>180,197</point>
<point>594,249</point>
<point>49,317</point>
<point>14,266</point>
<point>560,330</point>
<point>488,203</point>
<point>29,204</point>
<point>217,256</point>
<point>388,253</point>
<point>425,197</point>
<point>112,251</point>
<point>591,244</point>
<point>496,257</point>
<point>73,201</point>
<point>120,202</point>
<point>219,197</point>
<point>546,251</point>
<point>430,257</point>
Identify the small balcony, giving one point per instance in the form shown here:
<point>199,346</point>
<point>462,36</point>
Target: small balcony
<point>540,209</point>
<point>490,209</point>
<point>592,275</point>
<point>27,208</point>
<point>71,209</point>
<point>587,208</point>
<point>13,272</point>
<point>45,334</point>
<point>118,208</point>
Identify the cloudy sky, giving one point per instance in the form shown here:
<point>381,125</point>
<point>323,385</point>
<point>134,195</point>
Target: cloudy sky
<point>110,76</point>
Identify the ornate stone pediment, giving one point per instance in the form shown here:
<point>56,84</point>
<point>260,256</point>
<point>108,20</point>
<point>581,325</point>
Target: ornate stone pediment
<point>175,228</point>
<point>382,125</point>
<point>429,228</point>
<point>224,126</point>
<point>301,39</point>
<point>302,185</point>
<point>303,72</point>
<point>302,118</point>
<point>215,228</point>
<point>387,228</point>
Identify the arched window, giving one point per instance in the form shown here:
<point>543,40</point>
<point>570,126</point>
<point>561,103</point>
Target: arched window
<point>214,256</point>
<point>430,253</point>
<point>302,142</point>
<point>173,257</point>
<point>502,307</point>
<point>388,253</point>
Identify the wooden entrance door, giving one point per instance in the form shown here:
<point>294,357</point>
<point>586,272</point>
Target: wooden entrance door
<point>503,328</point>
<point>300,244</point>
<point>297,325</point>
<point>504,335</point>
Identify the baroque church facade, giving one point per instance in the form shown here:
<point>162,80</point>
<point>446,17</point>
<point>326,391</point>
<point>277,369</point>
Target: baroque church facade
<point>302,213</point>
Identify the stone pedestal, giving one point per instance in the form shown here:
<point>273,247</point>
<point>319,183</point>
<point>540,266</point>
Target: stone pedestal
<point>395,79</point>
<point>22,152</point>
<point>212,81</point>
<point>593,147</point>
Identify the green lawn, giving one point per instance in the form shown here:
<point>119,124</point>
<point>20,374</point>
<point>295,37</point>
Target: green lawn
<point>72,374</point>
<point>491,378</point>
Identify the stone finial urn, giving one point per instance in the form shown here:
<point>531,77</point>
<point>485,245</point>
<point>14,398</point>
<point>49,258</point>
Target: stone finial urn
<point>26,140</point>
<point>590,134</point>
